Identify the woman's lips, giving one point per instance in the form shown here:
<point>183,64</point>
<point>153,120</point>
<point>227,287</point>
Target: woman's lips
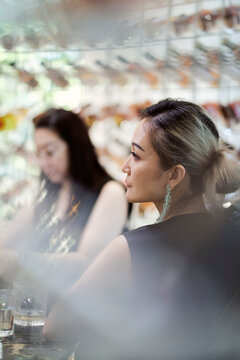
<point>51,175</point>
<point>126,184</point>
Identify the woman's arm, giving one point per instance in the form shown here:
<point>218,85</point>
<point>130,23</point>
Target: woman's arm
<point>106,221</point>
<point>94,300</point>
<point>60,271</point>
<point>14,234</point>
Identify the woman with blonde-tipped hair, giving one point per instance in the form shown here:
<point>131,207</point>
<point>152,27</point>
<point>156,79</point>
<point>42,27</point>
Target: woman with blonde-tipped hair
<point>167,290</point>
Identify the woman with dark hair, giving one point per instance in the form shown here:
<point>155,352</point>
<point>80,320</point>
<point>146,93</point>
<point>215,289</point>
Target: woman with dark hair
<point>79,208</point>
<point>169,290</point>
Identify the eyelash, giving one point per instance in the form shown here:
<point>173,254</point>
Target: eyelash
<point>48,153</point>
<point>134,155</point>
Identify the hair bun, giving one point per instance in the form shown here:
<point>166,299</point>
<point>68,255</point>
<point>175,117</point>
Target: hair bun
<point>229,172</point>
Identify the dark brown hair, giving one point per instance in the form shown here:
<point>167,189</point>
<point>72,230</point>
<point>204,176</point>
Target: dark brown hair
<point>84,165</point>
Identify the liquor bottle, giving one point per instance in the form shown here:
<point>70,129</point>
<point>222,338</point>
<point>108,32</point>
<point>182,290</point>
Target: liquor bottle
<point>25,76</point>
<point>155,28</point>
<point>87,76</point>
<point>206,63</point>
<point>56,76</point>
<point>113,74</point>
<point>235,48</point>
<point>231,16</point>
<point>208,19</point>
<point>182,23</point>
<point>211,55</point>
<point>236,109</point>
<point>170,71</point>
<point>216,113</point>
<point>9,41</point>
<point>228,114</point>
<point>140,71</point>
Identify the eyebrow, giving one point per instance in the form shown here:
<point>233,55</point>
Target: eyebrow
<point>46,145</point>
<point>138,146</point>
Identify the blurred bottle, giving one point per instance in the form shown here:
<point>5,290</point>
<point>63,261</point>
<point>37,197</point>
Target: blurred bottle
<point>206,64</point>
<point>228,115</point>
<point>183,23</point>
<point>155,28</point>
<point>171,72</point>
<point>212,55</point>
<point>56,76</point>
<point>215,112</point>
<point>87,76</point>
<point>115,75</point>
<point>234,48</point>
<point>236,109</point>
<point>135,68</point>
<point>32,38</point>
<point>208,19</point>
<point>8,122</point>
<point>25,76</point>
<point>128,31</point>
<point>231,59</point>
<point>9,41</point>
<point>231,17</point>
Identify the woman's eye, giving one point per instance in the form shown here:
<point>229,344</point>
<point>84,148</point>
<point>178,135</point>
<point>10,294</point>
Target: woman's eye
<point>50,152</point>
<point>45,153</point>
<point>134,155</point>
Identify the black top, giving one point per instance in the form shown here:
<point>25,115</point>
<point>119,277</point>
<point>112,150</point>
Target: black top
<point>62,235</point>
<point>186,277</point>
<point>48,234</point>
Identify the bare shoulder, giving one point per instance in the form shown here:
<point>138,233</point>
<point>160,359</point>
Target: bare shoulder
<point>116,253</point>
<point>112,187</point>
<point>118,248</point>
<point>96,292</point>
<point>113,263</point>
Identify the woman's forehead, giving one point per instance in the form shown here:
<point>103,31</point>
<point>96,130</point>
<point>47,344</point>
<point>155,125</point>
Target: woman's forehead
<point>142,138</point>
<point>46,136</point>
<point>140,130</point>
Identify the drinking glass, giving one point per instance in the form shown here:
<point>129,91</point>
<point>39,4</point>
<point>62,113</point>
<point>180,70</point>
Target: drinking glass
<point>6,312</point>
<point>31,305</point>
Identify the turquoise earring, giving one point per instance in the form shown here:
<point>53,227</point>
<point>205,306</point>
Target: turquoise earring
<point>166,204</point>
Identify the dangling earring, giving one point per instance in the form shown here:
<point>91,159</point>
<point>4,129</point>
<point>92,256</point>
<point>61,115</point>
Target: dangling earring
<point>166,204</point>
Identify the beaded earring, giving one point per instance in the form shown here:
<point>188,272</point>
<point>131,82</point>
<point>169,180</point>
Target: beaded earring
<point>166,204</point>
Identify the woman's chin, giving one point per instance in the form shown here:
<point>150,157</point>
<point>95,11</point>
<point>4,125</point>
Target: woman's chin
<point>55,179</point>
<point>130,198</point>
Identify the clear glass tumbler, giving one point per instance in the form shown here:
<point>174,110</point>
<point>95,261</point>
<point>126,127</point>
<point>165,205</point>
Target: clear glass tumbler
<point>31,305</point>
<point>6,312</point>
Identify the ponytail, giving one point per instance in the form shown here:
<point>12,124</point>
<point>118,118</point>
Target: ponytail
<point>223,175</point>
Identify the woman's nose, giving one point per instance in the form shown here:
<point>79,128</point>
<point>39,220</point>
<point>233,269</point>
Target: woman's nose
<point>126,167</point>
<point>43,163</point>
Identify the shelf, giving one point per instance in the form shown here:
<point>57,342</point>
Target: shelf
<point>125,45</point>
<point>56,31</point>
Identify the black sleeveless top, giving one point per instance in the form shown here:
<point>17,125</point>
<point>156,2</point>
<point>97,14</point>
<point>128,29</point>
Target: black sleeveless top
<point>186,286</point>
<point>52,235</point>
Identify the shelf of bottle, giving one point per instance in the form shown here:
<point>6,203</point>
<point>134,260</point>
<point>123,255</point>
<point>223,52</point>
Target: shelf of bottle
<point>139,43</point>
<point>167,4</point>
<point>200,87</point>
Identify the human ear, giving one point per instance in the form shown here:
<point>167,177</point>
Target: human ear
<point>176,175</point>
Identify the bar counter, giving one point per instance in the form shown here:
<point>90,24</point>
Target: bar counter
<point>28,343</point>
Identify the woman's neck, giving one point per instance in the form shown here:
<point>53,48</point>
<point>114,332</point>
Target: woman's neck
<point>194,205</point>
<point>63,200</point>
